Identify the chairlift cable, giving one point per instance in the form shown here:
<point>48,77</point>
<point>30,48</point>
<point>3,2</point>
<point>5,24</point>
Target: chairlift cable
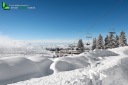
<point>107,13</point>
<point>100,19</point>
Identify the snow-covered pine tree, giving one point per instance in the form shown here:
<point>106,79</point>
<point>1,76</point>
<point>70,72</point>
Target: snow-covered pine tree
<point>117,41</point>
<point>122,39</point>
<point>94,44</point>
<point>99,42</point>
<point>80,45</point>
<point>106,44</point>
<point>111,40</point>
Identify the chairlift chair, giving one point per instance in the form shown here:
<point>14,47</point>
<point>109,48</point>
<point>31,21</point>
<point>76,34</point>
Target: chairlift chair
<point>87,44</point>
<point>112,31</point>
<point>88,36</point>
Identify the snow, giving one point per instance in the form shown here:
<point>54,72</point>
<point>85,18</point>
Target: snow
<point>19,68</point>
<point>68,63</point>
<point>99,67</point>
<point>118,74</point>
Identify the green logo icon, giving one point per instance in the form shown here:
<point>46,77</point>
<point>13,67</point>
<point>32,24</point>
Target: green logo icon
<point>4,6</point>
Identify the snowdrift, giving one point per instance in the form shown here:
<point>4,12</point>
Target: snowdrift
<point>79,61</point>
<point>120,50</point>
<point>118,75</point>
<point>97,54</point>
<point>19,68</point>
<point>111,70</point>
<point>69,63</point>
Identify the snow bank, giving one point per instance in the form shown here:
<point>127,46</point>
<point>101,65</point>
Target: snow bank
<point>68,63</point>
<point>101,53</point>
<point>12,68</point>
<point>62,78</point>
<point>79,61</point>
<point>44,66</point>
<point>19,68</point>
<point>118,75</point>
<point>111,70</point>
<point>60,66</point>
<point>120,50</point>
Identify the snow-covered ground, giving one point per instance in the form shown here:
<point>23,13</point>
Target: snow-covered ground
<point>99,67</point>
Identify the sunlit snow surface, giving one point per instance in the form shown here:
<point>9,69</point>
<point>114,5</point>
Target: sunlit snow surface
<point>100,67</point>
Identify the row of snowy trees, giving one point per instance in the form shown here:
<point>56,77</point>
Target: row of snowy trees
<point>110,41</point>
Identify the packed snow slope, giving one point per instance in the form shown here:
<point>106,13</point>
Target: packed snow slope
<point>99,67</point>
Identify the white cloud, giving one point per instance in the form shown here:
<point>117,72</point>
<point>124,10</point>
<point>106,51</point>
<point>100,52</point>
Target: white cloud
<point>7,42</point>
<point>50,41</point>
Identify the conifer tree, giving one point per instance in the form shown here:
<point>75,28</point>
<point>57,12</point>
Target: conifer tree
<point>80,45</point>
<point>117,41</point>
<point>111,39</point>
<point>94,44</point>
<point>99,42</point>
<point>106,44</point>
<point>122,39</point>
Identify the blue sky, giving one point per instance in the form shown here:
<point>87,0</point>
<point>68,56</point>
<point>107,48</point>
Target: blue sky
<point>64,19</point>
